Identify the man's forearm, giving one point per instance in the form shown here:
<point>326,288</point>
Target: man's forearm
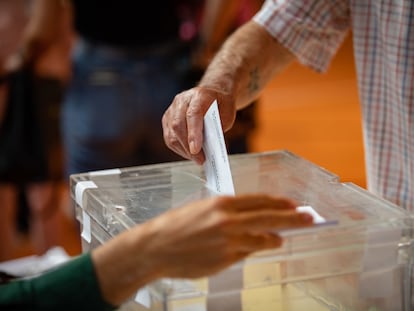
<point>246,63</point>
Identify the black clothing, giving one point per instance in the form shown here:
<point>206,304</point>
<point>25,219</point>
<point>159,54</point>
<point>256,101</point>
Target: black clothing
<point>127,23</point>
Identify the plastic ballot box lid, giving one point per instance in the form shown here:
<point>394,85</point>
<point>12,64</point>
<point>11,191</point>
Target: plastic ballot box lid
<point>359,257</point>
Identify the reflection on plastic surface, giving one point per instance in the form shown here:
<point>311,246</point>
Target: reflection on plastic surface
<point>362,262</point>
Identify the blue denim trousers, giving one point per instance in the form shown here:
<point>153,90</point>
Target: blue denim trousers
<point>112,111</point>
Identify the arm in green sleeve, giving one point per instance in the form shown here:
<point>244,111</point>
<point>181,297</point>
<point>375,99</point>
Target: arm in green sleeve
<point>72,286</point>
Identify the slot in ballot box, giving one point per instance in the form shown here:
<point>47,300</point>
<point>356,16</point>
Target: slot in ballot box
<point>360,259</point>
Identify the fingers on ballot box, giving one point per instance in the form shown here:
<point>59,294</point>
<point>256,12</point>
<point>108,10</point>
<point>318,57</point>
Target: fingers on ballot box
<point>358,256</point>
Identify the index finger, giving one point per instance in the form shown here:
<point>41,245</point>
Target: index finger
<point>195,119</point>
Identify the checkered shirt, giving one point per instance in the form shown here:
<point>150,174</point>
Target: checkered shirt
<point>383,35</point>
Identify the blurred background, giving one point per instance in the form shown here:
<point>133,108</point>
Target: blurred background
<point>315,116</point>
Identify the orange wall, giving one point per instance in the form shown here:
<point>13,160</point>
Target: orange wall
<point>316,116</point>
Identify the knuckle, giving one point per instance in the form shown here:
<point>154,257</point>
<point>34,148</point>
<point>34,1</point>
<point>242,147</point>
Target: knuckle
<point>178,97</point>
<point>193,111</point>
<point>168,138</point>
<point>222,221</point>
<point>164,119</point>
<point>176,124</point>
<point>223,203</point>
<point>173,142</point>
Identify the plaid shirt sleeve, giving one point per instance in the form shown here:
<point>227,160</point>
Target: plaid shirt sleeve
<point>312,30</point>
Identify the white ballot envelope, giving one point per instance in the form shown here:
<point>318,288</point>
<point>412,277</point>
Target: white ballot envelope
<point>216,166</point>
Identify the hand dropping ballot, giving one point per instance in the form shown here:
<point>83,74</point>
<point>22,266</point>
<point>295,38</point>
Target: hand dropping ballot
<point>217,166</point>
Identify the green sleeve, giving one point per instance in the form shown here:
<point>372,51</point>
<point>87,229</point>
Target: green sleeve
<point>72,286</point>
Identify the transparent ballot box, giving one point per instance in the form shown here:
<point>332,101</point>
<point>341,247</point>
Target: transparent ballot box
<point>360,259</point>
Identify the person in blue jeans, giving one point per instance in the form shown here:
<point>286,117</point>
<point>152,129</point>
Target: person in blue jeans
<point>128,62</point>
<point>130,59</point>
<point>112,112</point>
<point>127,66</point>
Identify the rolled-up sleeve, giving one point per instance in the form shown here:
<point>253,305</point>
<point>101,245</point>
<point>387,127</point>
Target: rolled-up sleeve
<point>312,30</point>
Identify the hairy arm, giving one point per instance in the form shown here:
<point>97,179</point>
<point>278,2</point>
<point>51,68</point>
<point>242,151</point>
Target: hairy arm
<point>246,62</point>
